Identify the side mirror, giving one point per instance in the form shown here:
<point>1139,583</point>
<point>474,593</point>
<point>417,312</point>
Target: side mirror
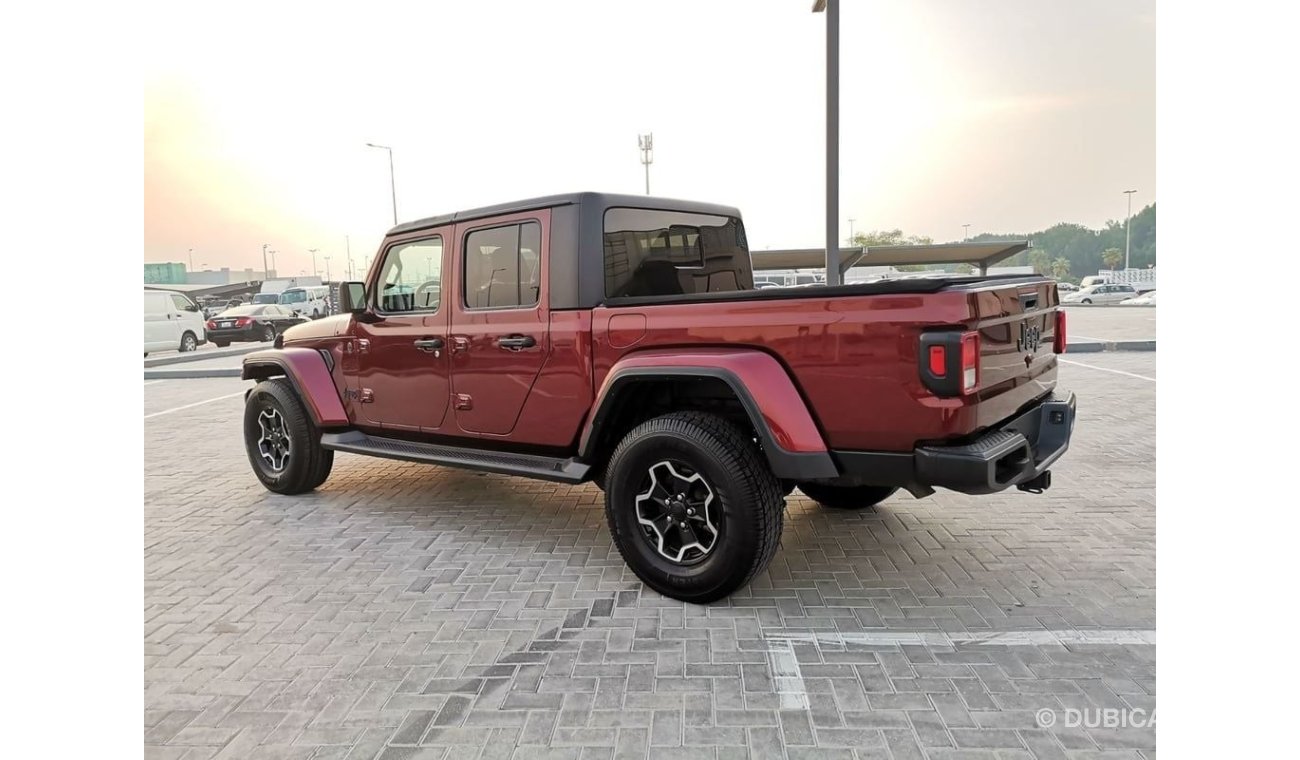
<point>352,297</point>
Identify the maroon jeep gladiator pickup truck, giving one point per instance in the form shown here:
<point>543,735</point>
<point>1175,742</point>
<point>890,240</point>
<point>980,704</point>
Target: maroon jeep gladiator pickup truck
<point>619,339</point>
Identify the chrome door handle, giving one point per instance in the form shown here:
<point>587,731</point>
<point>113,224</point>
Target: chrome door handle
<point>429,345</point>
<point>516,342</point>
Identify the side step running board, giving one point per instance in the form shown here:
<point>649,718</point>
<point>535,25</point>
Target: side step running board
<point>524,465</point>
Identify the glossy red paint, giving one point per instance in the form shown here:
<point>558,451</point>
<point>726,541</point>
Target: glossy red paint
<point>409,387</point>
<point>306,369</point>
<point>497,380</point>
<point>854,358</point>
<point>763,378</point>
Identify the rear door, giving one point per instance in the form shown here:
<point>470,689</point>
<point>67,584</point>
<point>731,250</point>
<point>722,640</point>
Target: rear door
<point>499,335</point>
<point>402,380</point>
<point>158,327</point>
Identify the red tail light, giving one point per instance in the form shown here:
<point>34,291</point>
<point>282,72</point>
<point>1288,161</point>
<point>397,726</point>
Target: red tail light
<point>243,322</point>
<point>1059,342</point>
<point>970,362</point>
<point>211,325</point>
<point>938,361</point>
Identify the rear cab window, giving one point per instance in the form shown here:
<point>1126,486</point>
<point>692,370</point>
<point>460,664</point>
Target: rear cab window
<point>663,253</point>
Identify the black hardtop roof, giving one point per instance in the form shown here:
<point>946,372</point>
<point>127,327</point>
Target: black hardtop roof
<point>589,199</point>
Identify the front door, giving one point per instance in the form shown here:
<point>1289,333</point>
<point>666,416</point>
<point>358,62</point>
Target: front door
<point>402,357</point>
<point>499,336</point>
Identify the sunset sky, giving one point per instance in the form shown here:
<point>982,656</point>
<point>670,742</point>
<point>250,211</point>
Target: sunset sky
<point>1009,115</point>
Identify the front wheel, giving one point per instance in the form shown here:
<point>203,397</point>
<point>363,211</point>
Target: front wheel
<point>846,497</point>
<point>692,506</point>
<point>189,342</point>
<point>282,443</point>
<point>1087,301</point>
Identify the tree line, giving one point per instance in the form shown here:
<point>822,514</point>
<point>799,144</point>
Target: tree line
<point>1065,251</point>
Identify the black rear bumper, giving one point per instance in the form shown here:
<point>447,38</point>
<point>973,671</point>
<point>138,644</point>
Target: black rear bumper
<point>1017,452</point>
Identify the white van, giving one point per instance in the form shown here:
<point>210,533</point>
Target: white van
<point>308,301</point>
<point>172,322</point>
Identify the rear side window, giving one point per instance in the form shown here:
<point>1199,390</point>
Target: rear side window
<point>662,253</point>
<point>502,266</point>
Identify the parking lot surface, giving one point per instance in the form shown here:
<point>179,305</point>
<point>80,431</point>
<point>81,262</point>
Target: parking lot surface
<point>411,611</point>
<point>1106,323</point>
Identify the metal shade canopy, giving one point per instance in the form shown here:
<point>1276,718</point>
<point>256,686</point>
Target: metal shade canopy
<point>982,255</point>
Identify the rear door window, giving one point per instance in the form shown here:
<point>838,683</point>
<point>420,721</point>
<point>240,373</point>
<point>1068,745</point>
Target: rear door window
<point>502,266</point>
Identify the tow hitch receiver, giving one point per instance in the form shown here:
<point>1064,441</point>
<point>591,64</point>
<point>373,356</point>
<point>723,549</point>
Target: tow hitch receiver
<point>1038,484</point>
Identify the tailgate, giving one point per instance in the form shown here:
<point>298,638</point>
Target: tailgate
<point>1016,322</point>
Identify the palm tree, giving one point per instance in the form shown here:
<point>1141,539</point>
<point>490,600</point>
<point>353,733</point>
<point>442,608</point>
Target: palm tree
<point>1061,268</point>
<point>1112,257</point>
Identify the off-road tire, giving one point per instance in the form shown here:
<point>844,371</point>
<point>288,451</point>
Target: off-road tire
<point>750,508</point>
<point>308,464</point>
<point>189,342</point>
<point>846,497</point>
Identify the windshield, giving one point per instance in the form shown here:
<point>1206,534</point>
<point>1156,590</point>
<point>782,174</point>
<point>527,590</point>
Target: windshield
<point>293,296</point>
<point>266,298</point>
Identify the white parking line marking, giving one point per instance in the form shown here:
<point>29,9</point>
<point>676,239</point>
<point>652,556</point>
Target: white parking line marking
<point>788,678</point>
<point>155,382</point>
<point>1108,369</point>
<point>191,406</point>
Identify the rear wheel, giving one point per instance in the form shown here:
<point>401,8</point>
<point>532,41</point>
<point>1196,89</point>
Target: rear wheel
<point>268,334</point>
<point>692,506</point>
<point>846,497</point>
<point>1087,301</point>
<point>282,443</point>
<point>189,342</point>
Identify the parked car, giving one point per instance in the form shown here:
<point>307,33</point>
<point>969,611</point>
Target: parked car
<point>637,354</point>
<point>172,322</point>
<point>1104,293</point>
<point>254,322</point>
<point>311,301</point>
<point>1067,287</point>
<point>1146,299</point>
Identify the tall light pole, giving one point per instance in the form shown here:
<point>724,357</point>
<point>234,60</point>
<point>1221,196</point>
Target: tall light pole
<point>1128,221</point>
<point>272,252</point>
<point>851,221</point>
<point>392,182</point>
<point>832,10</point>
<point>266,273</point>
<point>327,269</point>
<point>347,245</point>
<point>191,259</point>
<point>313,251</point>
<point>966,231</point>
<point>647,144</point>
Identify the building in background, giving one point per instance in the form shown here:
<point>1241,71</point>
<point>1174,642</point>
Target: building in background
<point>224,276</point>
<point>169,273</point>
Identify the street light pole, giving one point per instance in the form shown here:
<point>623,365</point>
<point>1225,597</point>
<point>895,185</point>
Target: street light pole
<point>266,273</point>
<point>647,144</point>
<point>191,259</point>
<point>851,220</point>
<point>272,252</point>
<point>347,245</point>
<point>392,181</point>
<point>312,251</point>
<point>966,231</point>
<point>832,10</point>
<point>327,269</point>
<point>1128,221</point>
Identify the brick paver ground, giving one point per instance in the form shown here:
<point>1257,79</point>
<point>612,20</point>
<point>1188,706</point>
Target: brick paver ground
<point>408,611</point>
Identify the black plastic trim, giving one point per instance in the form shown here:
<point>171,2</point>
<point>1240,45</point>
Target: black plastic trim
<point>879,287</point>
<point>523,465</point>
<point>1016,452</point>
<point>791,465</point>
<point>950,383</point>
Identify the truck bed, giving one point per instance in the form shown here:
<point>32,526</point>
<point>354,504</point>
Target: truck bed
<point>853,350</point>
